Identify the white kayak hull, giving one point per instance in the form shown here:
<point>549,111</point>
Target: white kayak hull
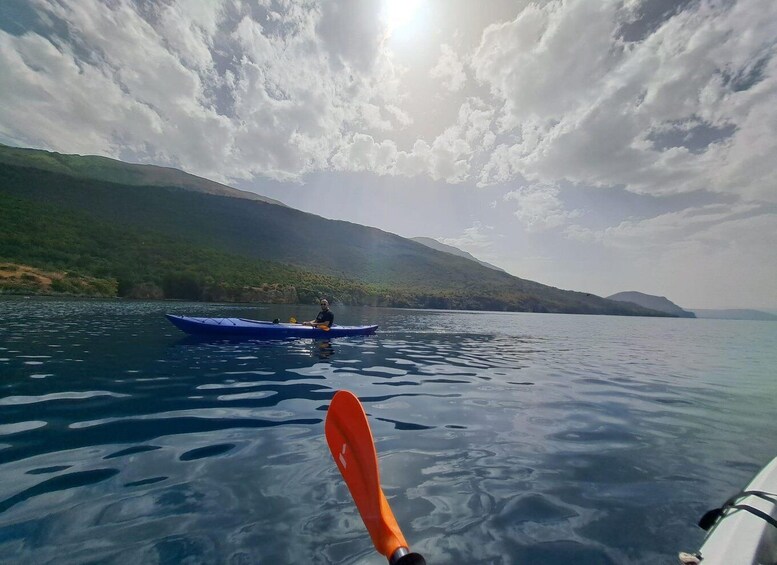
<point>739,536</point>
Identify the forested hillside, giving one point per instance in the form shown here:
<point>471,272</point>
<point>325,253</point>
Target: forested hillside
<point>177,242</point>
<point>102,168</point>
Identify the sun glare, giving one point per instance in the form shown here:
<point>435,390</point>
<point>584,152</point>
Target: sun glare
<point>399,13</point>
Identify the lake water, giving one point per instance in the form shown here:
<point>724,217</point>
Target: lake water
<point>502,438</point>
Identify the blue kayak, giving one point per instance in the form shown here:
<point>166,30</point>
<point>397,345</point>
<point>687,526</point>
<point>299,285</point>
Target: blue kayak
<point>261,329</point>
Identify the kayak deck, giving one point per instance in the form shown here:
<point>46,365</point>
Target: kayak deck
<point>742,536</point>
<point>261,329</point>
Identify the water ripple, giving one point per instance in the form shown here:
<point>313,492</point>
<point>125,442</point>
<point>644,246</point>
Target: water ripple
<point>16,400</point>
<point>18,427</point>
<point>61,482</point>
<point>502,438</point>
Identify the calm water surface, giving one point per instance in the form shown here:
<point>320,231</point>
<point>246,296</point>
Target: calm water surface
<point>503,438</point>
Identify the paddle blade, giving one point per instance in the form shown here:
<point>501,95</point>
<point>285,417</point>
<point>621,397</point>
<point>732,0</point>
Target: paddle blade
<point>353,449</point>
<point>323,327</point>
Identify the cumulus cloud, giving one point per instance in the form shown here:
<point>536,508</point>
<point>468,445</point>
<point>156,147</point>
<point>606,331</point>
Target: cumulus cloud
<point>539,207</point>
<point>527,63</point>
<point>451,155</point>
<point>569,90</point>
<point>595,117</point>
<point>449,69</point>
<point>477,237</point>
<point>448,157</point>
<point>223,89</point>
<point>50,96</point>
<point>363,153</point>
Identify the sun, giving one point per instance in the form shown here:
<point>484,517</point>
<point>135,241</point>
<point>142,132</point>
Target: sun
<point>399,13</point>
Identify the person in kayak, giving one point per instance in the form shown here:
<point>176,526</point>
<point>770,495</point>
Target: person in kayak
<point>324,318</point>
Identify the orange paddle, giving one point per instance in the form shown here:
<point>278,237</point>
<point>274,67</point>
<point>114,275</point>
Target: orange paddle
<point>353,449</point>
<point>293,320</point>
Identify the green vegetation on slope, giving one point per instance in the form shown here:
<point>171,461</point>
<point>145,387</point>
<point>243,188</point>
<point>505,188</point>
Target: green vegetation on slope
<point>94,167</point>
<point>173,242</point>
<point>128,262</point>
<point>84,256</point>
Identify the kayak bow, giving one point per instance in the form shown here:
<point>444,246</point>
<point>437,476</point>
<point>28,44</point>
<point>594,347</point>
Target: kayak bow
<point>744,529</point>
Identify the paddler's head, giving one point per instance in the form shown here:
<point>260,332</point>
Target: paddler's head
<point>324,304</point>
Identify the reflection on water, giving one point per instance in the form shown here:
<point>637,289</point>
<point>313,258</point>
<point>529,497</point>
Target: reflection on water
<point>323,349</point>
<point>503,438</point>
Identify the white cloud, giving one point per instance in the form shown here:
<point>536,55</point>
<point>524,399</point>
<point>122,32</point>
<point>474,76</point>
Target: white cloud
<point>50,96</point>
<point>189,31</point>
<point>112,86</point>
<point>583,104</point>
<point>449,69</point>
<point>539,207</point>
<point>550,60</point>
<point>295,112</point>
<point>232,90</point>
<point>450,156</point>
<point>148,84</point>
<point>363,153</point>
<point>477,237</point>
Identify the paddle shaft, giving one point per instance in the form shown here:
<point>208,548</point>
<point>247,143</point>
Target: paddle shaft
<point>402,557</point>
<point>293,320</point>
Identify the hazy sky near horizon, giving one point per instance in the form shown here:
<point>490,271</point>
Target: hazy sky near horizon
<point>600,146</point>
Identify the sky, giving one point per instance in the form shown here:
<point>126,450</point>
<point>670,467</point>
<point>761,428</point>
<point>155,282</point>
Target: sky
<point>599,146</point>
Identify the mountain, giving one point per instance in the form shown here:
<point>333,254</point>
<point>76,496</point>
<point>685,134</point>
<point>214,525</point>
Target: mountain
<point>735,314</point>
<point>659,303</point>
<point>82,232</point>
<point>110,170</point>
<point>434,244</point>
